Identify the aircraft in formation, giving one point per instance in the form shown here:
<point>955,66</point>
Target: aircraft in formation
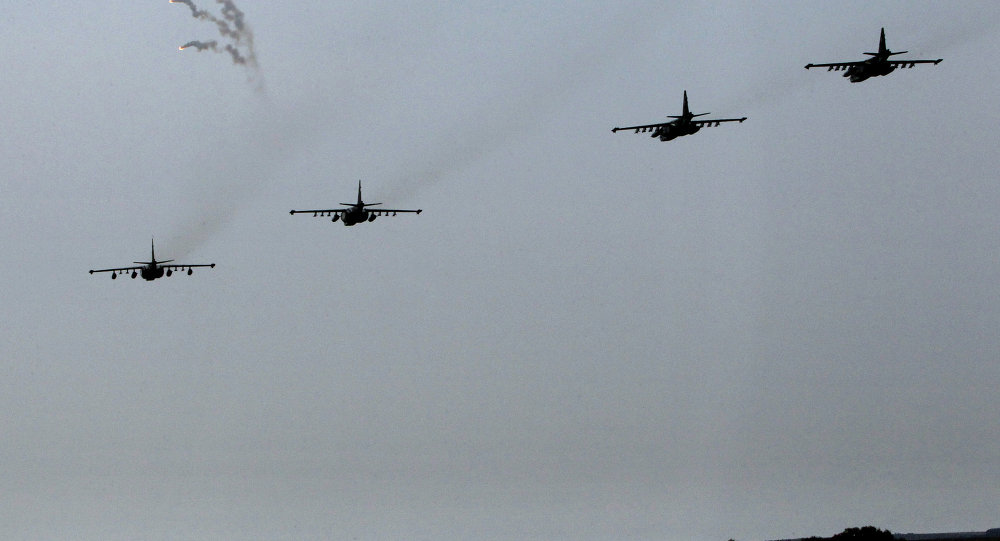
<point>153,269</point>
<point>354,213</point>
<point>684,124</point>
<point>879,64</point>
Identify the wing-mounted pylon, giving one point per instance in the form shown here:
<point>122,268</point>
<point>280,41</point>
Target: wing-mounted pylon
<point>354,209</point>
<point>879,58</point>
<point>683,120</point>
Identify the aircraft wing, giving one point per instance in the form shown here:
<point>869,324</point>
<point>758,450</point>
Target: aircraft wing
<point>642,129</point>
<point>716,122</point>
<point>319,212</point>
<point>381,211</point>
<point>123,269</point>
<point>182,267</point>
<point>835,66</point>
<point>331,212</point>
<point>911,63</point>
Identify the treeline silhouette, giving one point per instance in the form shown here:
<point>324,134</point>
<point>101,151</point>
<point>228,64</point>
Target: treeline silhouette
<point>871,533</point>
<point>864,533</point>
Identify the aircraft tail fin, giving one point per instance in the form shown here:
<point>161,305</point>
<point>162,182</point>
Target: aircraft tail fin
<point>152,255</point>
<point>883,51</point>
<point>360,203</point>
<point>686,114</point>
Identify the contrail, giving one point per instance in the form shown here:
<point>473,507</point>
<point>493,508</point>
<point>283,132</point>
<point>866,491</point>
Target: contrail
<point>241,46</point>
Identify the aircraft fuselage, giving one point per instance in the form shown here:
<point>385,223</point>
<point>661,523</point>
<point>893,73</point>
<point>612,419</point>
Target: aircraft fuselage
<point>356,215</point>
<point>873,67</point>
<point>152,269</point>
<point>151,272</point>
<point>674,130</point>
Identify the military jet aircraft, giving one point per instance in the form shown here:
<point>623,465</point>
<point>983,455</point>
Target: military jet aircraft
<point>876,66</point>
<point>355,213</point>
<point>682,125</point>
<point>153,269</point>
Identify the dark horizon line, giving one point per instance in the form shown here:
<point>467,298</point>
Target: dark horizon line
<point>992,533</point>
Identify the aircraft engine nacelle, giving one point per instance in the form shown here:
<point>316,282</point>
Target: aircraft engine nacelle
<point>336,216</point>
<point>857,73</point>
<point>371,217</point>
<point>170,272</point>
<point>134,274</point>
<point>668,134</point>
<point>190,271</point>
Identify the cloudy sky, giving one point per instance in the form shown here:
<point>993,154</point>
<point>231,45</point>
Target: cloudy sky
<point>779,328</point>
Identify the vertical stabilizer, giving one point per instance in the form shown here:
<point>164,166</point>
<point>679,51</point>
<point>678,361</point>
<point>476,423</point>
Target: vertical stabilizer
<point>687,112</point>
<point>152,250</point>
<point>360,203</point>
<point>881,44</point>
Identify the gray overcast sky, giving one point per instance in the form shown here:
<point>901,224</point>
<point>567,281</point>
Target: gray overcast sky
<point>779,328</point>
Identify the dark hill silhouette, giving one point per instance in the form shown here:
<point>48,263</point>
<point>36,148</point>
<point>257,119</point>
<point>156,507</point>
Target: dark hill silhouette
<point>871,533</point>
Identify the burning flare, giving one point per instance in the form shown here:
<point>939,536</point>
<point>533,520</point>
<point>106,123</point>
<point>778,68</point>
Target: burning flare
<point>239,34</point>
<point>200,45</point>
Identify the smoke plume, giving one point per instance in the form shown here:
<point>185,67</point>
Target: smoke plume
<point>200,45</point>
<point>233,28</point>
<point>231,173</point>
<point>195,12</point>
<point>235,53</point>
